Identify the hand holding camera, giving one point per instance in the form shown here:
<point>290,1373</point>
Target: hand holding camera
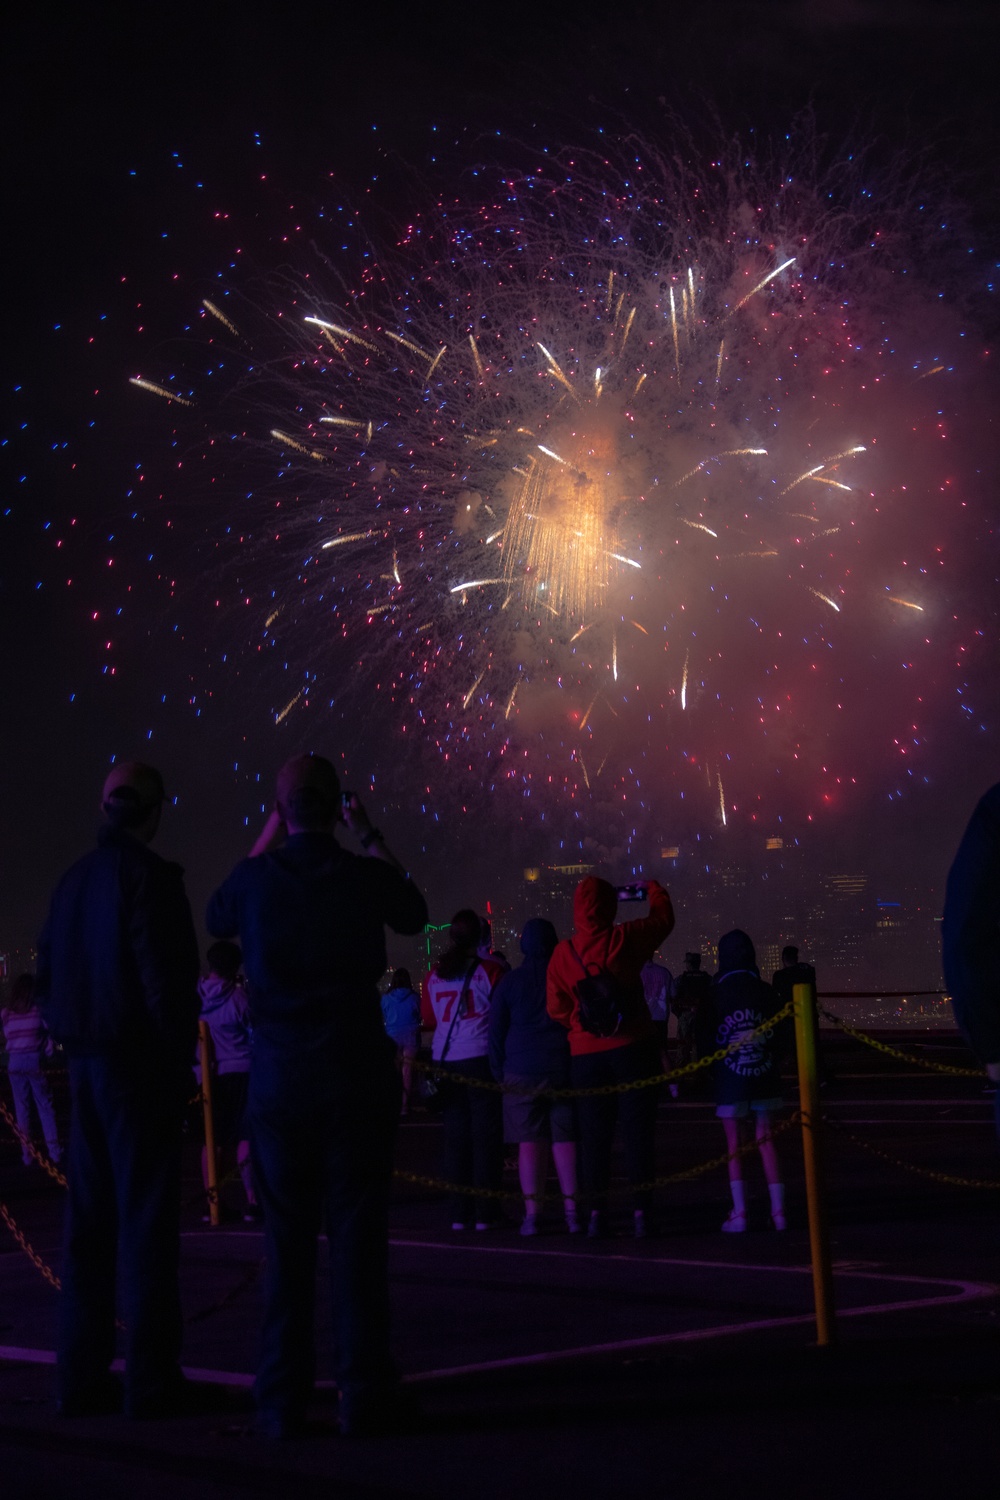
<point>635,892</point>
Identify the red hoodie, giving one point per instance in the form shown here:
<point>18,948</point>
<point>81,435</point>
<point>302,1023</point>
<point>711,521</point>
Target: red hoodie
<point>623,949</point>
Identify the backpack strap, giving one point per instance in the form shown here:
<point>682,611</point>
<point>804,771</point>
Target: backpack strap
<point>583,966</point>
<point>460,1006</point>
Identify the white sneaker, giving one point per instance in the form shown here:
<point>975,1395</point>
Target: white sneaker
<point>735,1224</point>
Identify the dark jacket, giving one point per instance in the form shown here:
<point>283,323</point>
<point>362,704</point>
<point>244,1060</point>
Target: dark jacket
<point>600,943</point>
<point>738,1002</point>
<point>118,958</point>
<point>690,988</point>
<point>524,1040</point>
<point>311,918</point>
<point>970,933</point>
<point>784,980</point>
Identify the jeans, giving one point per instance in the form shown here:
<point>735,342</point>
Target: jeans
<point>124,1199</point>
<point>26,1081</point>
<point>473,1140</point>
<point>597,1116</point>
<point>321,1142</point>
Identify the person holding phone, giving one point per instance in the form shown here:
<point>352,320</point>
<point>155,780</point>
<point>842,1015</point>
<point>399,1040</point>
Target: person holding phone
<point>602,950</point>
<point>324,1089</point>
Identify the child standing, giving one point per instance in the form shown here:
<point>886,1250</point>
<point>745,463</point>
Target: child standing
<point>27,1039</point>
<point>401,1016</point>
<point>747,1082</point>
<point>224,1006</point>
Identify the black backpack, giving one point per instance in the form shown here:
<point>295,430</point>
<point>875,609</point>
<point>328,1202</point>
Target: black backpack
<point>602,997</point>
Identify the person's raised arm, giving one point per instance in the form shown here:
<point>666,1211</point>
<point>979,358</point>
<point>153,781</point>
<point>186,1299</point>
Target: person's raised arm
<point>371,838</point>
<point>271,835</point>
<point>642,937</point>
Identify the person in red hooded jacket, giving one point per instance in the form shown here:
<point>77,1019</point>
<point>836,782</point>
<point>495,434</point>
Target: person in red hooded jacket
<point>630,1053</point>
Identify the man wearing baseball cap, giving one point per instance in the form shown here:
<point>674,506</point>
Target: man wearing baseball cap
<point>117,977</point>
<point>324,1089</point>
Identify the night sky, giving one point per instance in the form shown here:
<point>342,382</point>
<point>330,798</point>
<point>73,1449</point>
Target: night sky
<point>145,149</point>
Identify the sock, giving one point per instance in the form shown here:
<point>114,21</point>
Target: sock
<point>776,1191</point>
<point>739,1192</point>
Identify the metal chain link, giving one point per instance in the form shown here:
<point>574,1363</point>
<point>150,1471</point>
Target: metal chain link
<point>642,1187</point>
<point>908,1057</point>
<point>29,1249</point>
<point>990,1184</point>
<point>437,1071</point>
<point>28,1144</point>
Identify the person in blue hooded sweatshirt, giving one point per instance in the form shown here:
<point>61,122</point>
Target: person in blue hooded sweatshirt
<point>401,1018</point>
<point>530,1050</point>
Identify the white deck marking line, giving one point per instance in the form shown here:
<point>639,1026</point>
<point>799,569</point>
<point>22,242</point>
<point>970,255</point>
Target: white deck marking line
<point>601,1257</point>
<point>967,1291</point>
<point>976,1102</point>
<point>193,1372</point>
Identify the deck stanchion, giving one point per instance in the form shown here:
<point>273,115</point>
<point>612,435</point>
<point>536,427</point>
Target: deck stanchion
<point>812,1151</point>
<point>206,1054</point>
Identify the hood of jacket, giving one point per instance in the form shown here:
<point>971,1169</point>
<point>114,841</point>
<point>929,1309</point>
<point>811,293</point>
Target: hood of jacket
<point>595,903</point>
<point>736,951</point>
<point>214,991</point>
<point>538,939</point>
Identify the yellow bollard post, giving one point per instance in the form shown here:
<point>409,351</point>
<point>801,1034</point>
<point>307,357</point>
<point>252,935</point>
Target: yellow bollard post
<point>812,1151</point>
<point>206,1053</point>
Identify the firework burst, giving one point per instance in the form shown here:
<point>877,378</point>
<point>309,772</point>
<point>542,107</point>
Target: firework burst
<point>622,484</point>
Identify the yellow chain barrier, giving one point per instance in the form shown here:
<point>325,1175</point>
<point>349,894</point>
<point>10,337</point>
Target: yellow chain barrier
<point>990,1184</point>
<point>28,1144</point>
<point>907,1057</point>
<point>435,1070</point>
<point>28,1248</point>
<point>642,1187</point>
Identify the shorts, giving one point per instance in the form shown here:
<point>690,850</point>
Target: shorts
<point>229,1107</point>
<point>406,1042</point>
<point>526,1117</point>
<point>742,1108</point>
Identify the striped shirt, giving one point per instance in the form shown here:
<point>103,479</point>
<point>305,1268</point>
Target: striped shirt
<point>24,1031</point>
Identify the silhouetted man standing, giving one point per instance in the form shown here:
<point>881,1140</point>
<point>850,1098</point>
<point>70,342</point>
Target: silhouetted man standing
<point>117,976</point>
<point>971,935</point>
<point>324,1089</point>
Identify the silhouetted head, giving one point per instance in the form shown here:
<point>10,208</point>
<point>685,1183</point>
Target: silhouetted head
<point>132,798</point>
<point>401,980</point>
<point>308,794</point>
<point>224,959</point>
<point>464,944</point>
<point>736,951</point>
<point>789,956</point>
<point>22,993</point>
<point>538,938</point>
<point>595,902</point>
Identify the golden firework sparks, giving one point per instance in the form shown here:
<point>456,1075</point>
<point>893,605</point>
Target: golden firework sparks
<point>158,390</point>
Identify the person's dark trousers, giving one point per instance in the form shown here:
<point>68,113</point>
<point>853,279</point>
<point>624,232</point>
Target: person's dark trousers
<point>124,1201</point>
<point>473,1140</point>
<point>597,1116</point>
<point>321,1142</point>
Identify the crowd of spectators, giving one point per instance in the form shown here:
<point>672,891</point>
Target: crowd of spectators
<point>312,1069</point>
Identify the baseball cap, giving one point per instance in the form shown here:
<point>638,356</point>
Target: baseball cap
<point>131,791</point>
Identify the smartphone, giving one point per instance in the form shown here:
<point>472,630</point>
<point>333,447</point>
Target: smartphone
<point>631,892</point>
